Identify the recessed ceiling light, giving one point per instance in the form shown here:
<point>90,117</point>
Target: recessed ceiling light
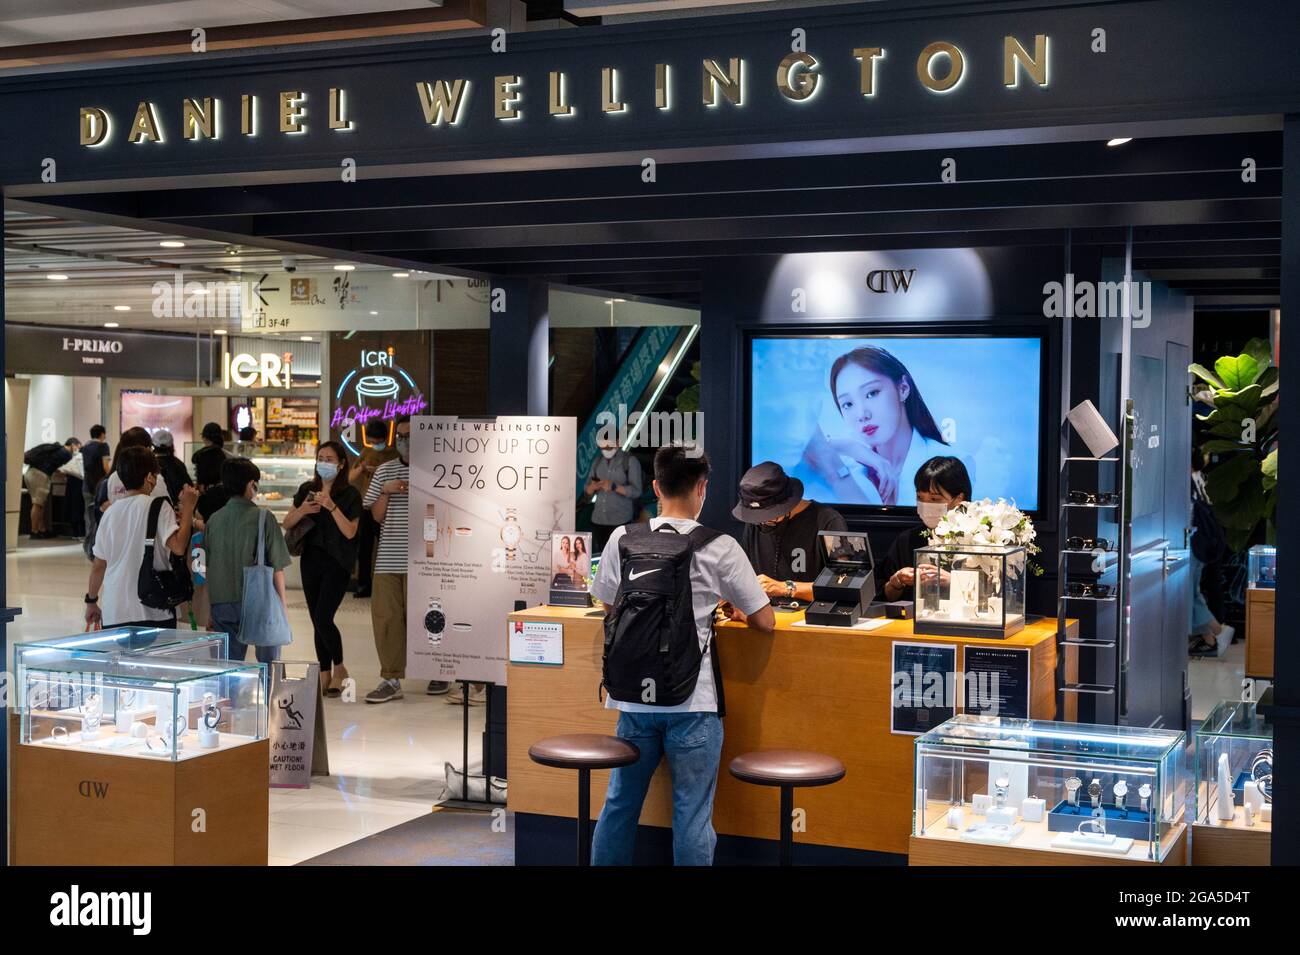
<point>172,244</point>
<point>344,268</point>
<point>121,308</point>
<point>57,277</point>
<point>374,313</point>
<point>1119,141</point>
<point>198,290</point>
<point>110,324</point>
<point>612,301</point>
<point>306,338</point>
<point>401,275</point>
<point>219,331</point>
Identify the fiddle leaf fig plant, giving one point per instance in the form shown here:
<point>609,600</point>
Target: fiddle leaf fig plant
<point>1243,390</point>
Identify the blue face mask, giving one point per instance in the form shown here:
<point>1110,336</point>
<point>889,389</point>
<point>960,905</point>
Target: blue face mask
<point>327,470</point>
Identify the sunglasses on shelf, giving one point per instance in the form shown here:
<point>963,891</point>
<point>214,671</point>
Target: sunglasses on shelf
<point>1088,590</point>
<point>1088,543</point>
<point>1100,498</point>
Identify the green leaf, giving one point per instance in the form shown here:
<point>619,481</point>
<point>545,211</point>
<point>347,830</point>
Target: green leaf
<point>1268,380</point>
<point>1269,470</point>
<point>1260,350</point>
<point>1223,482</point>
<point>1222,446</point>
<point>1238,372</point>
<point>1203,373</point>
<point>1248,397</point>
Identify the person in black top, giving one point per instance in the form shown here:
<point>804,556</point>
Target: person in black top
<point>330,550</point>
<point>173,473</point>
<point>941,484</point>
<point>213,494</point>
<point>42,461</point>
<point>213,451</point>
<point>781,529</point>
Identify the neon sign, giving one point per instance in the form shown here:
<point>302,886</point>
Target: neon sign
<point>382,391</point>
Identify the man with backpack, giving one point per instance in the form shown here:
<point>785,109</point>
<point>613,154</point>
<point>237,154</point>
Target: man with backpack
<point>42,461</point>
<point>661,584</point>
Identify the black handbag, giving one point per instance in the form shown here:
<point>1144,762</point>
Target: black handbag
<point>162,589</point>
<point>295,538</point>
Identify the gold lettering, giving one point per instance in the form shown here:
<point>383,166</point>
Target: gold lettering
<point>794,77</point>
<point>292,111</point>
<point>441,102</point>
<point>956,64</point>
<point>94,125</point>
<point>609,101</point>
<point>507,102</point>
<point>1014,54</point>
<point>247,103</point>
<point>145,125</point>
<point>663,99</point>
<point>199,122</point>
<point>338,106</point>
<point>729,83</point>
<point>558,106</point>
<point>868,56</point>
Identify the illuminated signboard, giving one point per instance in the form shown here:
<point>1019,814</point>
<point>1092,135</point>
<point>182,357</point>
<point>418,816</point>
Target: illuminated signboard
<point>376,389</point>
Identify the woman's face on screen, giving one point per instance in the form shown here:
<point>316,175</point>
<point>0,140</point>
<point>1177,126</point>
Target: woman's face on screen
<point>871,403</point>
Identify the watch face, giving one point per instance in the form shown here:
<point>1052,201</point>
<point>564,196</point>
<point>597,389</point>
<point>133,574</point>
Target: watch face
<point>1094,788</point>
<point>434,621</point>
<point>510,535</point>
<point>1121,788</point>
<point>1144,791</point>
<point>1073,783</point>
<point>430,529</point>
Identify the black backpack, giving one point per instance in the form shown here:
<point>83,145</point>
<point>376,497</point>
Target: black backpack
<point>162,589</point>
<point>652,648</point>
<point>1209,543</point>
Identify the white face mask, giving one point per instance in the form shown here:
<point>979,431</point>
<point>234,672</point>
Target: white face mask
<point>608,453</point>
<point>931,514</point>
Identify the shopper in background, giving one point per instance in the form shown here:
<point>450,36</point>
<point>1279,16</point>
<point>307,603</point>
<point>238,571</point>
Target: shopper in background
<point>377,451</point>
<point>73,471</point>
<point>112,488</point>
<point>333,506</point>
<point>214,447</point>
<point>113,593</point>
<point>42,461</point>
<point>615,480</point>
<point>230,540</point>
<point>941,484</point>
<point>690,733</point>
<point>1206,636</point>
<point>389,503</point>
<point>212,493</point>
<point>781,528</point>
<point>173,472</point>
<point>248,433</point>
<point>94,468</point>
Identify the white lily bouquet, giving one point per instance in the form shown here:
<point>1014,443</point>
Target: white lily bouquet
<point>985,523</point>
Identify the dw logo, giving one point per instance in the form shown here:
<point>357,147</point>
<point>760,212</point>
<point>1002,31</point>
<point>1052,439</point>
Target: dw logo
<point>881,281</point>
<point>93,789</point>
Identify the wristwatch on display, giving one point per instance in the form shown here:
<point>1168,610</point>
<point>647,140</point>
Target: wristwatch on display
<point>1144,794</point>
<point>1094,792</point>
<point>435,621</point>
<point>1072,787</point>
<point>511,533</point>
<point>211,711</point>
<point>1000,786</point>
<point>430,529</point>
<point>1121,792</point>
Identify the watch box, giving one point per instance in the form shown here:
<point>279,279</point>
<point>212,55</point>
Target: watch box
<point>970,590</point>
<point>139,706</point>
<point>846,585</point>
<point>1261,567</point>
<point>1137,777</point>
<point>1234,767</point>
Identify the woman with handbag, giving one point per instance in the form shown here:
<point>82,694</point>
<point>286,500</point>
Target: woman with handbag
<point>322,530</point>
<point>246,557</point>
<point>124,589</point>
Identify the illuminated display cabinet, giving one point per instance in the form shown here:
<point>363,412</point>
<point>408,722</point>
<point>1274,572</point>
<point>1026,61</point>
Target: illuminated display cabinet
<point>1001,791</point>
<point>1262,567</point>
<point>1234,787</point>
<point>970,591</point>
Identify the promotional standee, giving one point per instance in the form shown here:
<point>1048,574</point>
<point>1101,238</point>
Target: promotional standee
<point>486,497</point>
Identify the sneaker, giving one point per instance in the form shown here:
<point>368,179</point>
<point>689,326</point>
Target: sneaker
<point>477,694</point>
<point>387,690</point>
<point>438,687</point>
<point>456,696</point>
<point>1224,640</point>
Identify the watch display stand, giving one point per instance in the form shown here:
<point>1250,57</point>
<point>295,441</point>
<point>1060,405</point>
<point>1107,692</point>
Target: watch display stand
<point>843,592</point>
<point>1131,822</point>
<point>1234,748</point>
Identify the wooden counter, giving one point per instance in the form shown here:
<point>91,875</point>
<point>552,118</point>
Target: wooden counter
<point>823,689</point>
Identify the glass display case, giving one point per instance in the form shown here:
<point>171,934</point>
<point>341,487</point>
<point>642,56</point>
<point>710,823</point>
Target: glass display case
<point>1262,567</point>
<point>1114,791</point>
<point>970,590</point>
<point>284,466</point>
<point>1234,768</point>
<point>147,707</point>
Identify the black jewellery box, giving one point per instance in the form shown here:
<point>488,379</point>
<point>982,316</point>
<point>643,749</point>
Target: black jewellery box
<point>843,591</point>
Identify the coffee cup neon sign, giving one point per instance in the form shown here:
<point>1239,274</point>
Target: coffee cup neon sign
<point>377,384</point>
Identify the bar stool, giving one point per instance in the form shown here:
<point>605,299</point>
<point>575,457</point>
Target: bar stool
<point>787,768</point>
<point>584,752</point>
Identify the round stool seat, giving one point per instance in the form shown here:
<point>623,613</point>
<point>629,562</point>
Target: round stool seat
<point>787,767</point>
<point>584,751</point>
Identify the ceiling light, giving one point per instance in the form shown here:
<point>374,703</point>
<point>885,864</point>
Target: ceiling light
<point>1119,141</point>
<point>401,275</point>
<point>219,331</point>
<point>374,313</point>
<point>57,277</point>
<point>172,244</point>
<point>121,308</point>
<point>305,338</point>
<point>344,268</point>
<point>110,324</point>
<point>611,301</point>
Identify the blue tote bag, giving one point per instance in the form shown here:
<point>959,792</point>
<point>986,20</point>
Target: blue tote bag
<point>262,621</point>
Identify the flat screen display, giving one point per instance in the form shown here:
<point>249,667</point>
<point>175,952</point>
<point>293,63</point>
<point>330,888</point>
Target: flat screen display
<point>855,418</point>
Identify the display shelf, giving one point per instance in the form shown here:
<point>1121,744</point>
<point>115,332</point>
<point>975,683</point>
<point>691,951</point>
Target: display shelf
<point>1233,743</point>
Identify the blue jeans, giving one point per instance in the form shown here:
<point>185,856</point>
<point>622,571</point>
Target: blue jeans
<point>225,617</point>
<point>1201,615</point>
<point>693,744</point>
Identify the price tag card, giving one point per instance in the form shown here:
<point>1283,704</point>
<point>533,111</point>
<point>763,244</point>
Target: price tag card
<point>536,642</point>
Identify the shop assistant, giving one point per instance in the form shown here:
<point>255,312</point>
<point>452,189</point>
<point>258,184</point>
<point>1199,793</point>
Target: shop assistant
<point>781,531</point>
<point>941,484</point>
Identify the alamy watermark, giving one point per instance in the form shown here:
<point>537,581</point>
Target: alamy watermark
<point>651,429</point>
<point>1085,299</point>
<point>919,688</point>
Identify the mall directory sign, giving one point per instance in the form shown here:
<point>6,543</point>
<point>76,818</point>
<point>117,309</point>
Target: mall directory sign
<point>487,494</point>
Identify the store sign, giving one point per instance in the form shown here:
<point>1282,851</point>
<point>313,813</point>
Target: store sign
<point>377,388</point>
<point>50,350</point>
<point>266,370</point>
<point>347,301</point>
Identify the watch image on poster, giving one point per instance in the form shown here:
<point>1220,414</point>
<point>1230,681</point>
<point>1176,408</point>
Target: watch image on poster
<point>487,497</point>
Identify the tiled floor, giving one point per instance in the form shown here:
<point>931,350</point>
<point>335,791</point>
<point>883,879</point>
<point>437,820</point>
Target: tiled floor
<point>386,761</point>
<point>1213,679</point>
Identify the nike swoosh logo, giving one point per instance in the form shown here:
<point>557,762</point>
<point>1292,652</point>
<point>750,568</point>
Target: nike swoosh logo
<point>633,575</point>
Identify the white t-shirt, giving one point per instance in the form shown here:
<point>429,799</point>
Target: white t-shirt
<point>719,571</point>
<point>119,540</point>
<point>117,492</point>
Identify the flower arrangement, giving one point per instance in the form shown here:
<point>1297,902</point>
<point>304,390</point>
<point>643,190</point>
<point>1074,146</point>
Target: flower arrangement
<point>986,523</point>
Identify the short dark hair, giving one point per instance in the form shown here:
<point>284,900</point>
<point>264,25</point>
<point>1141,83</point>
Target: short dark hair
<point>134,464</point>
<point>97,431</point>
<point>677,472</point>
<point>212,432</point>
<point>247,433</point>
<point>207,466</point>
<point>377,428</point>
<point>947,474</point>
<point>236,473</point>
<point>72,440</point>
